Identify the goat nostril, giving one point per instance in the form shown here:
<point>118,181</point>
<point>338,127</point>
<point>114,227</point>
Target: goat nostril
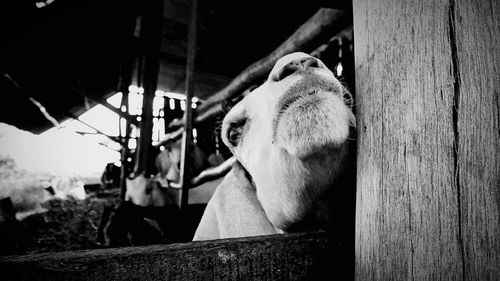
<point>296,65</point>
<point>310,63</point>
<point>286,71</point>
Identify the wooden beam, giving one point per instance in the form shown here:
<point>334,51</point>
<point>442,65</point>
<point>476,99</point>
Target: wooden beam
<point>318,29</point>
<point>115,139</point>
<point>129,118</point>
<point>187,138</point>
<point>300,256</point>
<point>172,136</point>
<point>428,107</point>
<point>345,34</point>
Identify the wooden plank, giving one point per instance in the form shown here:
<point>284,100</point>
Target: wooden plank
<point>302,256</point>
<point>427,83</point>
<point>475,27</point>
<point>318,29</point>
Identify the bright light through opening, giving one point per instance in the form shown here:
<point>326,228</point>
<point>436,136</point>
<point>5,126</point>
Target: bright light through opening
<point>339,68</point>
<point>109,123</point>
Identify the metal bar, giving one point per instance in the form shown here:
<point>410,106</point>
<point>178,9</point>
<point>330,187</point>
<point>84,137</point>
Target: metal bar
<point>187,142</point>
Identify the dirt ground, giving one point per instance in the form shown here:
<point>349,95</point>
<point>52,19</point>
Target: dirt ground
<point>67,225</point>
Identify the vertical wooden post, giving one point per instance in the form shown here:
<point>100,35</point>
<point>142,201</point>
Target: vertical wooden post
<point>126,74</point>
<point>151,39</point>
<point>427,80</point>
<point>187,137</point>
<point>125,152</point>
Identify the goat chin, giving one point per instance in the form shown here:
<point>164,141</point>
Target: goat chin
<point>313,127</point>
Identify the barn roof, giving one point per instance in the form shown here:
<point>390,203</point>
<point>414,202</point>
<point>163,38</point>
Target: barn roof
<point>67,50</point>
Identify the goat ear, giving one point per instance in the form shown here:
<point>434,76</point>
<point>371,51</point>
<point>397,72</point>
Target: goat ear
<point>234,210</point>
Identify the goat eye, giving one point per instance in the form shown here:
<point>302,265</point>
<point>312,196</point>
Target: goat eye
<point>235,132</point>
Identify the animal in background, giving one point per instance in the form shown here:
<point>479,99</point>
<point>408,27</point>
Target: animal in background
<point>292,137</point>
<point>169,160</point>
<point>151,209</point>
<point>163,189</point>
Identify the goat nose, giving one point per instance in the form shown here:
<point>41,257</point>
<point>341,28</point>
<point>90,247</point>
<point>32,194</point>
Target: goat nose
<point>296,65</point>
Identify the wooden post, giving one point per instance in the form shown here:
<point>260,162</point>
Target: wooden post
<point>151,36</point>
<point>125,152</point>
<point>187,138</point>
<point>427,80</point>
<point>126,72</point>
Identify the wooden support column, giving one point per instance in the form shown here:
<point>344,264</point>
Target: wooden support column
<point>428,196</point>
<point>125,152</point>
<point>151,39</point>
<point>126,73</point>
<point>187,138</point>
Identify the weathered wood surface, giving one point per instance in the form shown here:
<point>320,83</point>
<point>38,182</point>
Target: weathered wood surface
<point>318,29</point>
<point>303,256</point>
<point>427,86</point>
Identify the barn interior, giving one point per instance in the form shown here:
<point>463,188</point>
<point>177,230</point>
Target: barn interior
<point>61,58</point>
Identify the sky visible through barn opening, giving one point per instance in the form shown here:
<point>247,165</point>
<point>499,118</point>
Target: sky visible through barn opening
<point>74,148</point>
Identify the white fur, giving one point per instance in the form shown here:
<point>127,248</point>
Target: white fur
<point>147,192</point>
<point>293,156</point>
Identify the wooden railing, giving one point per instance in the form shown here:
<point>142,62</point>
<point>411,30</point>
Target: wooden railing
<point>301,256</point>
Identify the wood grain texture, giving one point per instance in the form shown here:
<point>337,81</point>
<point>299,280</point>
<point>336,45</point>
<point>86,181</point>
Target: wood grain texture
<point>477,39</point>
<point>304,256</point>
<point>428,145</point>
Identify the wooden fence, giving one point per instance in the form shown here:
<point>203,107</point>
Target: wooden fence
<point>302,256</point>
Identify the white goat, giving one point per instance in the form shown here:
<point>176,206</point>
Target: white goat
<point>291,139</point>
